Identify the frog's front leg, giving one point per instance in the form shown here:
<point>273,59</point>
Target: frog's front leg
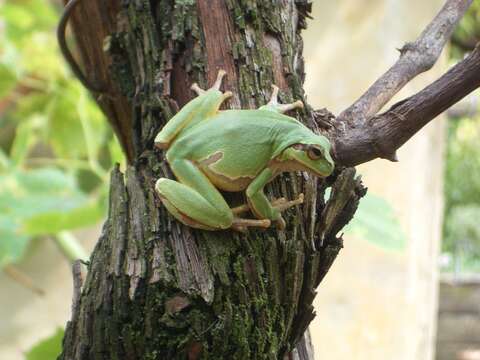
<point>195,202</point>
<point>274,105</point>
<point>199,109</point>
<point>281,204</point>
<point>259,203</point>
<point>216,86</point>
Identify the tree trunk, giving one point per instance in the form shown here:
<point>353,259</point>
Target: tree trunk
<point>156,289</point>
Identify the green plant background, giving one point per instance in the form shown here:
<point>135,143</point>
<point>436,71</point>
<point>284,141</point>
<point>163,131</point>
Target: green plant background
<point>461,231</point>
<point>55,146</point>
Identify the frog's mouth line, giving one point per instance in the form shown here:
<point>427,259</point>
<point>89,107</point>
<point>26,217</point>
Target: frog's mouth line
<point>297,165</point>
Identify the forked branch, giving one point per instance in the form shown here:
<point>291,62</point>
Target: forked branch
<point>381,135</point>
<point>415,58</point>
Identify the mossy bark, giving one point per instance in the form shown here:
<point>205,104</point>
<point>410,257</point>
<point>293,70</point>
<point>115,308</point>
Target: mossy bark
<point>156,289</point>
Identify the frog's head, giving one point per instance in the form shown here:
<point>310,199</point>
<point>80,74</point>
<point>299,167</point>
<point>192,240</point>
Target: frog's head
<point>312,154</point>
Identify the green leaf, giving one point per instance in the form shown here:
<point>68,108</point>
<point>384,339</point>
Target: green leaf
<point>23,18</point>
<point>116,152</point>
<point>4,160</point>
<point>46,181</point>
<point>47,349</point>
<point>93,125</point>
<point>12,242</point>
<point>22,143</point>
<point>33,104</point>
<point>18,18</point>
<point>55,221</point>
<point>376,222</point>
<point>70,246</point>
<point>65,130</point>
<point>8,80</point>
<point>26,194</point>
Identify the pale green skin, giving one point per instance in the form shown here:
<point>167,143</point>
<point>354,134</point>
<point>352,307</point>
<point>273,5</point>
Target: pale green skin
<point>231,150</point>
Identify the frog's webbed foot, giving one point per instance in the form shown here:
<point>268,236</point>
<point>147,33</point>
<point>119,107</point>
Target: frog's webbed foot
<point>218,83</point>
<point>281,204</point>
<point>198,90</point>
<point>241,225</point>
<point>216,86</point>
<point>274,105</point>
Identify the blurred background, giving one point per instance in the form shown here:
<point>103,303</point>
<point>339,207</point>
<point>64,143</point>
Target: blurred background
<point>405,287</point>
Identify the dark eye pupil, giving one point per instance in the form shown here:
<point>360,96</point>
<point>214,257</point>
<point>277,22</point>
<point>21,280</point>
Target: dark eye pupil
<point>317,152</point>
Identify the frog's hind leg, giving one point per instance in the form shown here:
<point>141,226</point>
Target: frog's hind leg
<point>194,201</point>
<point>274,105</point>
<point>191,208</point>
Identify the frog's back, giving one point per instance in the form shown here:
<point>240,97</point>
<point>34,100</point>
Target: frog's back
<point>235,130</point>
<point>240,143</point>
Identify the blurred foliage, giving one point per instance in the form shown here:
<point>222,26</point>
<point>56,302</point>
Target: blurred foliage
<point>461,240</point>
<point>56,148</point>
<point>462,195</point>
<point>47,349</point>
<point>467,34</point>
<point>376,222</point>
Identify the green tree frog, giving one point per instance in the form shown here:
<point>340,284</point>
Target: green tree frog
<point>234,150</point>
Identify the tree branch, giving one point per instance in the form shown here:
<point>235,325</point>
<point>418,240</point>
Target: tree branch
<point>415,58</point>
<point>381,135</point>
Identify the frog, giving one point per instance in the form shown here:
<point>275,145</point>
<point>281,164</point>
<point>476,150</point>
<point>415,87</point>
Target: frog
<point>210,150</point>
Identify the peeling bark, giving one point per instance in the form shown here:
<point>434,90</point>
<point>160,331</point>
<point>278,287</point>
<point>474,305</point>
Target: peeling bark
<point>156,289</point>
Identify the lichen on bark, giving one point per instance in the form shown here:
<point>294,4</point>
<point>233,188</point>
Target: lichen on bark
<point>159,290</point>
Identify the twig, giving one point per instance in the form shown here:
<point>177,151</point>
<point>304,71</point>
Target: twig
<point>415,58</point>
<point>62,25</point>
<point>383,134</point>
<point>22,279</point>
<point>77,285</point>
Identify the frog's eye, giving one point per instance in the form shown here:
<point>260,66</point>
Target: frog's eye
<point>314,153</point>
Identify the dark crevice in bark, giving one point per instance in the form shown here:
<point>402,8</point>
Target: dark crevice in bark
<point>159,290</point>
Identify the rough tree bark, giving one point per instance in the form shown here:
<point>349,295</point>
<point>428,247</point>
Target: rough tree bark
<point>156,289</point>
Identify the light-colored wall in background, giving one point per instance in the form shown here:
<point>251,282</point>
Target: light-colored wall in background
<point>376,304</point>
